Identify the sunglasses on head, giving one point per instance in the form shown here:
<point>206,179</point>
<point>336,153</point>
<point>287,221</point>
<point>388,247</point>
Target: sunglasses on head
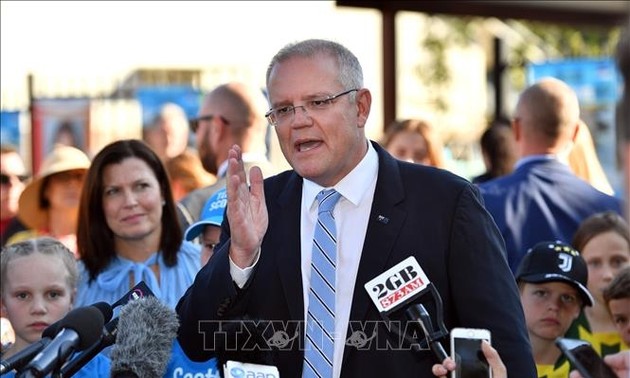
<point>6,179</point>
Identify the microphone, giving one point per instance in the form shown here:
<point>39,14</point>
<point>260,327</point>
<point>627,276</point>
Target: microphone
<point>398,287</point>
<point>106,310</point>
<point>421,315</point>
<point>18,360</point>
<point>141,290</point>
<point>110,330</point>
<point>80,328</point>
<point>234,369</point>
<point>146,331</point>
<point>21,358</point>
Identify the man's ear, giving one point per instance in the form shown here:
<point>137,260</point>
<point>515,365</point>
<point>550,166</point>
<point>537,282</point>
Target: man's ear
<point>364,104</point>
<point>516,128</point>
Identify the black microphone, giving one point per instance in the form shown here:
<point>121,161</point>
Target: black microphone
<point>79,329</point>
<point>146,331</point>
<point>396,289</point>
<point>108,338</point>
<point>141,290</point>
<point>21,358</point>
<point>421,315</point>
<point>105,309</point>
<point>18,360</point>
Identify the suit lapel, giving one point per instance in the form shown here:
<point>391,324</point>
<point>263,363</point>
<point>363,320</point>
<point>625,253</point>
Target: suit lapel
<point>386,220</point>
<point>287,244</point>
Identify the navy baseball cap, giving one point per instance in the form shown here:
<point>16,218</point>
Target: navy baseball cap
<point>549,261</point>
<point>212,214</point>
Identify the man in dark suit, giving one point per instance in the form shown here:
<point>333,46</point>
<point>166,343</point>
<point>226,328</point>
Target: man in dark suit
<point>542,199</point>
<point>389,210</point>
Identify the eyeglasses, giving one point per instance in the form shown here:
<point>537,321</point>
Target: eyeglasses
<point>286,114</point>
<point>8,179</point>
<point>194,123</point>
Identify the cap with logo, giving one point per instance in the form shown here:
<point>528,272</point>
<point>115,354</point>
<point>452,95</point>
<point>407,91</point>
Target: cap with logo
<point>212,214</point>
<point>550,261</point>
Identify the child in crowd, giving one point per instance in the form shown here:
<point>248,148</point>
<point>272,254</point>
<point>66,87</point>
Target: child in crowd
<point>39,280</point>
<point>208,228</point>
<point>603,240</point>
<point>617,298</point>
<point>552,281</point>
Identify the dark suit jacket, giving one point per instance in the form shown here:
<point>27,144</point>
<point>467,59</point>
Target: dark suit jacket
<point>432,214</point>
<point>541,200</point>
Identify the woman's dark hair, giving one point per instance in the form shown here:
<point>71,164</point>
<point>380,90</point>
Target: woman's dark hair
<point>598,224</point>
<point>95,240</point>
<point>497,143</point>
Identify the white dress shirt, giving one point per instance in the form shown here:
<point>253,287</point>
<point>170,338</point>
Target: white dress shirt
<point>351,218</point>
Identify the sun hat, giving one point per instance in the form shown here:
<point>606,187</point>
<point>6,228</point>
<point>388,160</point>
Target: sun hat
<point>212,214</point>
<point>61,159</point>
<point>550,261</point>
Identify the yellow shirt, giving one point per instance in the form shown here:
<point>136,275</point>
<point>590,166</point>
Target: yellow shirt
<point>554,371</point>
<point>604,343</point>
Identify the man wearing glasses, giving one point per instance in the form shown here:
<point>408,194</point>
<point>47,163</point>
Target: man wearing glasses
<point>230,114</point>
<point>298,248</point>
<point>13,179</point>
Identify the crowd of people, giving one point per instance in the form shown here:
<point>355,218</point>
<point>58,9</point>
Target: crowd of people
<point>531,250</point>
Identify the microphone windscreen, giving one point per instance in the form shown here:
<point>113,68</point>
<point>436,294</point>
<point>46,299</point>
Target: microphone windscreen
<point>52,330</point>
<point>87,322</point>
<point>105,309</point>
<point>146,330</point>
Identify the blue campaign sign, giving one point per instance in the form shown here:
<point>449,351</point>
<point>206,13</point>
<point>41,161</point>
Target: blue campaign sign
<point>152,98</point>
<point>10,127</point>
<point>597,82</point>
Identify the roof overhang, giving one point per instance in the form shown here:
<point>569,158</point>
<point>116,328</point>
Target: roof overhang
<point>602,13</point>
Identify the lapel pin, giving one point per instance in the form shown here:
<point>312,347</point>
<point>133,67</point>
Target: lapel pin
<point>382,219</point>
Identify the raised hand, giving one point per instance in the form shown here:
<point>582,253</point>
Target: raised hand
<point>246,210</point>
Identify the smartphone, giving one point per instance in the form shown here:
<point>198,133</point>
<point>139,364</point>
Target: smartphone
<point>467,354</point>
<point>584,358</point>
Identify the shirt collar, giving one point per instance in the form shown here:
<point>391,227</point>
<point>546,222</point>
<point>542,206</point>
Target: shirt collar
<point>353,186</point>
<point>533,158</point>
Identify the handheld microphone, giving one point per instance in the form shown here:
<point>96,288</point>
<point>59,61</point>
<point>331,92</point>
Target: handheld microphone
<point>234,369</point>
<point>80,328</point>
<point>17,361</point>
<point>110,330</point>
<point>106,310</point>
<point>146,331</point>
<point>401,285</point>
<point>421,315</point>
<point>141,290</point>
<point>21,358</point>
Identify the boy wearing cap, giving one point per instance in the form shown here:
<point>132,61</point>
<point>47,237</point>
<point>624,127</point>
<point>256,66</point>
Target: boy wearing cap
<point>208,228</point>
<point>552,282</point>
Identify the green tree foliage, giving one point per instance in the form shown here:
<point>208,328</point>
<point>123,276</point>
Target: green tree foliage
<point>557,41</point>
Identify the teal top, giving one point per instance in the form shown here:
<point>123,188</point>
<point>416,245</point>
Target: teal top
<point>113,282</point>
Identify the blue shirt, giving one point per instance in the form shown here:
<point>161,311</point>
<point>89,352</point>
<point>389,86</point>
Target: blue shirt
<point>113,282</point>
<point>181,367</point>
<point>99,366</point>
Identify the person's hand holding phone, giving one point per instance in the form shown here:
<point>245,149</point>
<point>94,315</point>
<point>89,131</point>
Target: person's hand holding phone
<point>491,354</point>
<point>619,362</point>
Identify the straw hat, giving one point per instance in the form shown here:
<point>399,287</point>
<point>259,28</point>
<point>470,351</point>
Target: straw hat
<point>61,159</point>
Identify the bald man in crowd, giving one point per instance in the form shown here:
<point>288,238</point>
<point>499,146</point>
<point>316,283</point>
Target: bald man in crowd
<point>542,199</point>
<point>232,113</point>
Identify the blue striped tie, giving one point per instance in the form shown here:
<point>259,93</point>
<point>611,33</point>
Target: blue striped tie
<point>320,318</point>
